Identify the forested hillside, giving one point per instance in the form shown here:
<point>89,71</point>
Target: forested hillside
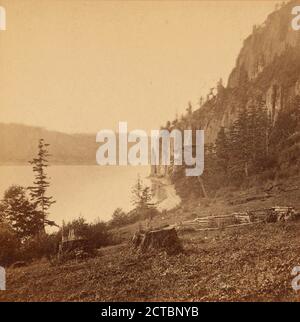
<point>252,124</point>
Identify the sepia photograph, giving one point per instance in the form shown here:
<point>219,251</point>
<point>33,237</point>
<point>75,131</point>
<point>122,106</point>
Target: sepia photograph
<point>149,152</point>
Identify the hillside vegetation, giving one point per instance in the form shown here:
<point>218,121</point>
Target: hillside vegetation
<point>247,264</point>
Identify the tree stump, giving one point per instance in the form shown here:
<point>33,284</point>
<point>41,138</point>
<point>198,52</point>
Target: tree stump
<point>163,239</point>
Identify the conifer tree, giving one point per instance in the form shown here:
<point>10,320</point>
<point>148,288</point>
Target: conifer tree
<point>20,214</point>
<point>238,147</point>
<point>137,191</point>
<point>41,182</point>
<point>142,196</point>
<point>222,149</point>
<point>142,200</point>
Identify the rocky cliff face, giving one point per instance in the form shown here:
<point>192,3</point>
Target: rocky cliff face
<point>268,66</point>
<point>266,42</point>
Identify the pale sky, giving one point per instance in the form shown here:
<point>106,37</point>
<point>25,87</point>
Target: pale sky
<point>82,66</point>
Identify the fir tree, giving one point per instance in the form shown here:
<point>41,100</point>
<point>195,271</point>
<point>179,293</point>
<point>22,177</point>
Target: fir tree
<point>142,196</point>
<point>238,149</point>
<point>137,191</point>
<point>222,150</point>
<point>20,214</point>
<point>41,183</point>
<point>142,200</point>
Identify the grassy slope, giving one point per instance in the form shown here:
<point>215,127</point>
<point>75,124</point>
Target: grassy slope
<point>250,263</point>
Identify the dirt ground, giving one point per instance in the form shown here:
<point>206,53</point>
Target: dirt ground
<point>238,265</point>
<point>252,263</point>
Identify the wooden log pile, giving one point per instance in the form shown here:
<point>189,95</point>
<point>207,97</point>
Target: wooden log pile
<point>276,214</point>
<point>218,222</point>
<point>243,217</point>
<point>237,219</point>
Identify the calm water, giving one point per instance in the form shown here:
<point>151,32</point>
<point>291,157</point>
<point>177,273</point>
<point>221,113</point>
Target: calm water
<point>90,191</point>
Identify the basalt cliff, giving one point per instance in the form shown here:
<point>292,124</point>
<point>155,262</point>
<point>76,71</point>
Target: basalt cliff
<point>268,66</point>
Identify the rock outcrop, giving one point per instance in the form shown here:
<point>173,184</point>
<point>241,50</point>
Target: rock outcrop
<point>268,66</point>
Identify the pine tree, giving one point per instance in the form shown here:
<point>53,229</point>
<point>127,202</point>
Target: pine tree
<point>243,140</point>
<point>259,131</point>
<point>222,150</point>
<point>263,137</point>
<point>137,191</point>
<point>20,214</point>
<point>189,109</point>
<point>146,199</point>
<point>41,183</point>
<point>142,200</point>
<point>238,148</point>
<point>142,196</point>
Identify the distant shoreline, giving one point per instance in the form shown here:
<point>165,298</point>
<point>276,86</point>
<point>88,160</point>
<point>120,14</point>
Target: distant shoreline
<point>15,164</point>
<point>8,164</point>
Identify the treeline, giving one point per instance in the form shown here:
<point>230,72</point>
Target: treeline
<point>144,207</point>
<point>254,149</point>
<point>24,213</point>
<point>34,247</point>
<point>243,150</point>
<point>22,230</point>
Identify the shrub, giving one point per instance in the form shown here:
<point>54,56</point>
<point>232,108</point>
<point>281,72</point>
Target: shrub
<point>9,245</point>
<point>119,218</point>
<point>99,235</point>
<point>20,213</point>
<point>38,247</point>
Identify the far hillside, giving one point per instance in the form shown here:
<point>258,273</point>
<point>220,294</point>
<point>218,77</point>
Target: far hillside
<point>18,144</point>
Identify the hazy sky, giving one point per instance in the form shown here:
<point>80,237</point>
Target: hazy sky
<point>81,66</point>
